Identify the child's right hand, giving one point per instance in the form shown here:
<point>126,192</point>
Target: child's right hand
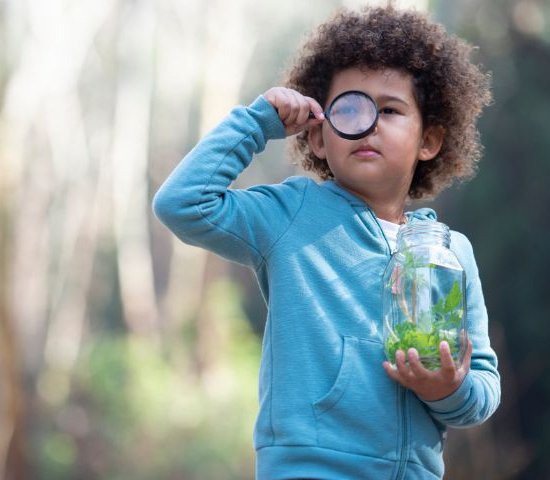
<point>294,108</point>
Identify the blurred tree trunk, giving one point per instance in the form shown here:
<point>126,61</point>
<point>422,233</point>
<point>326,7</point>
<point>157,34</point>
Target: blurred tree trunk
<point>227,52</point>
<point>46,254</point>
<point>13,460</point>
<point>224,49</point>
<point>131,131</point>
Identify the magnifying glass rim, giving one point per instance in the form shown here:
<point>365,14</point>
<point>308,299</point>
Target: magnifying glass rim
<point>352,136</point>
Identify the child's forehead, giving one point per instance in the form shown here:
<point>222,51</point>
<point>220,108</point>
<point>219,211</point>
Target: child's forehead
<point>374,81</point>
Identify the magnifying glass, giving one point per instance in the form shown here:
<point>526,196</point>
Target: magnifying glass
<point>352,115</point>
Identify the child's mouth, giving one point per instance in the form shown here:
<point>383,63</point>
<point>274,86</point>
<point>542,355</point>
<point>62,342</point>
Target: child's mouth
<point>366,152</point>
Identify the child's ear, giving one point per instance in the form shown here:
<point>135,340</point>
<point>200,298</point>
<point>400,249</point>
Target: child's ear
<point>432,139</point>
<point>316,141</point>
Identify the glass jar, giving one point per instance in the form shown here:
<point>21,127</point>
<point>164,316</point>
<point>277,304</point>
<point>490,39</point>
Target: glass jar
<point>424,299</point>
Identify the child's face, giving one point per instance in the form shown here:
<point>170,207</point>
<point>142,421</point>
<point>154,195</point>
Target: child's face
<point>382,164</point>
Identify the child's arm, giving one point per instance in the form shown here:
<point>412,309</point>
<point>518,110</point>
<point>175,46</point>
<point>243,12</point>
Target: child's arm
<point>468,395</point>
<point>195,202</point>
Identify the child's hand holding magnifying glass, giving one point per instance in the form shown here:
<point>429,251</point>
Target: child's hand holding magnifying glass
<point>296,111</point>
<point>352,114</point>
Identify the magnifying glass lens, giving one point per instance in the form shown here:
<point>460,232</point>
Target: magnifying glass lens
<point>353,115</point>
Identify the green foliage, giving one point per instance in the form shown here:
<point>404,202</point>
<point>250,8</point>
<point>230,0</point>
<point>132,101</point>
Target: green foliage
<point>426,343</point>
<point>58,455</point>
<point>446,313</point>
<point>445,319</point>
<point>143,410</point>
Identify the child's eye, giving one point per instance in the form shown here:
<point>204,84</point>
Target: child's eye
<point>345,111</point>
<point>387,110</point>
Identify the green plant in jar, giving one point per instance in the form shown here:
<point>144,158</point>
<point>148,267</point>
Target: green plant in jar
<point>424,295</point>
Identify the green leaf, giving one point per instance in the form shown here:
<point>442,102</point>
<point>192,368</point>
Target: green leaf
<point>454,298</point>
<point>426,343</point>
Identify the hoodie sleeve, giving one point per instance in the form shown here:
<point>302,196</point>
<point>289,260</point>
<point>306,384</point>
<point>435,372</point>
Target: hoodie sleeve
<point>479,394</point>
<point>196,204</point>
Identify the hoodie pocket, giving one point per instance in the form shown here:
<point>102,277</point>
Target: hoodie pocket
<point>359,413</point>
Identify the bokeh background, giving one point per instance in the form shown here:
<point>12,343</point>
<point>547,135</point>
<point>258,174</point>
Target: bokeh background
<point>127,355</point>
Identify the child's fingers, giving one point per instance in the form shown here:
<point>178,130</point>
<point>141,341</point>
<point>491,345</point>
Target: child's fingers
<point>294,108</point>
<point>448,368</point>
<point>302,106</point>
<point>298,105</point>
<point>279,98</point>
<point>400,363</point>
<point>416,365</point>
<point>285,102</point>
<point>302,114</point>
<point>315,108</point>
<point>467,356</point>
<point>285,106</point>
<point>391,371</point>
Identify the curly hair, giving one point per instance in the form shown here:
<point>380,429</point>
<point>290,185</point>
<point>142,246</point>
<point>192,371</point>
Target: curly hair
<point>450,90</point>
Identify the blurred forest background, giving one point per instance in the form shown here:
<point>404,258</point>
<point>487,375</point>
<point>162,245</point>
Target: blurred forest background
<point>127,355</point>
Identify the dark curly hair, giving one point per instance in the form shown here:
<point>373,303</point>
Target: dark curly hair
<point>450,90</point>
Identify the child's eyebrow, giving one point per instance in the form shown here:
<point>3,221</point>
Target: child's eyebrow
<point>391,98</point>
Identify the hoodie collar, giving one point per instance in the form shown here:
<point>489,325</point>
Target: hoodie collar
<point>338,190</point>
<point>421,214</point>
<point>412,216</point>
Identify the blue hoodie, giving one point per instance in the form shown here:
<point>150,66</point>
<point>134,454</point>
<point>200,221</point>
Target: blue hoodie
<point>327,408</point>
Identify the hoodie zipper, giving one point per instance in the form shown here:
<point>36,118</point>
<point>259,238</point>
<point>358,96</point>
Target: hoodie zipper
<point>404,432</point>
<point>402,392</point>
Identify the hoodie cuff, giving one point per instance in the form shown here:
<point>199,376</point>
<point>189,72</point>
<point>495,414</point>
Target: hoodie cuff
<point>456,400</point>
<point>267,117</point>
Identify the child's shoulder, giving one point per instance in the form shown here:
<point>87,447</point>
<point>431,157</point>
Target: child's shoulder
<point>292,188</point>
<point>458,239</point>
<point>300,192</point>
<point>461,241</point>
<point>461,245</point>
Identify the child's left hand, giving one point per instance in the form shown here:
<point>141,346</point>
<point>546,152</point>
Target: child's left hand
<point>429,385</point>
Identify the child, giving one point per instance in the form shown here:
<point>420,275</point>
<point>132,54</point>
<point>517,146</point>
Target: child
<point>330,407</point>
